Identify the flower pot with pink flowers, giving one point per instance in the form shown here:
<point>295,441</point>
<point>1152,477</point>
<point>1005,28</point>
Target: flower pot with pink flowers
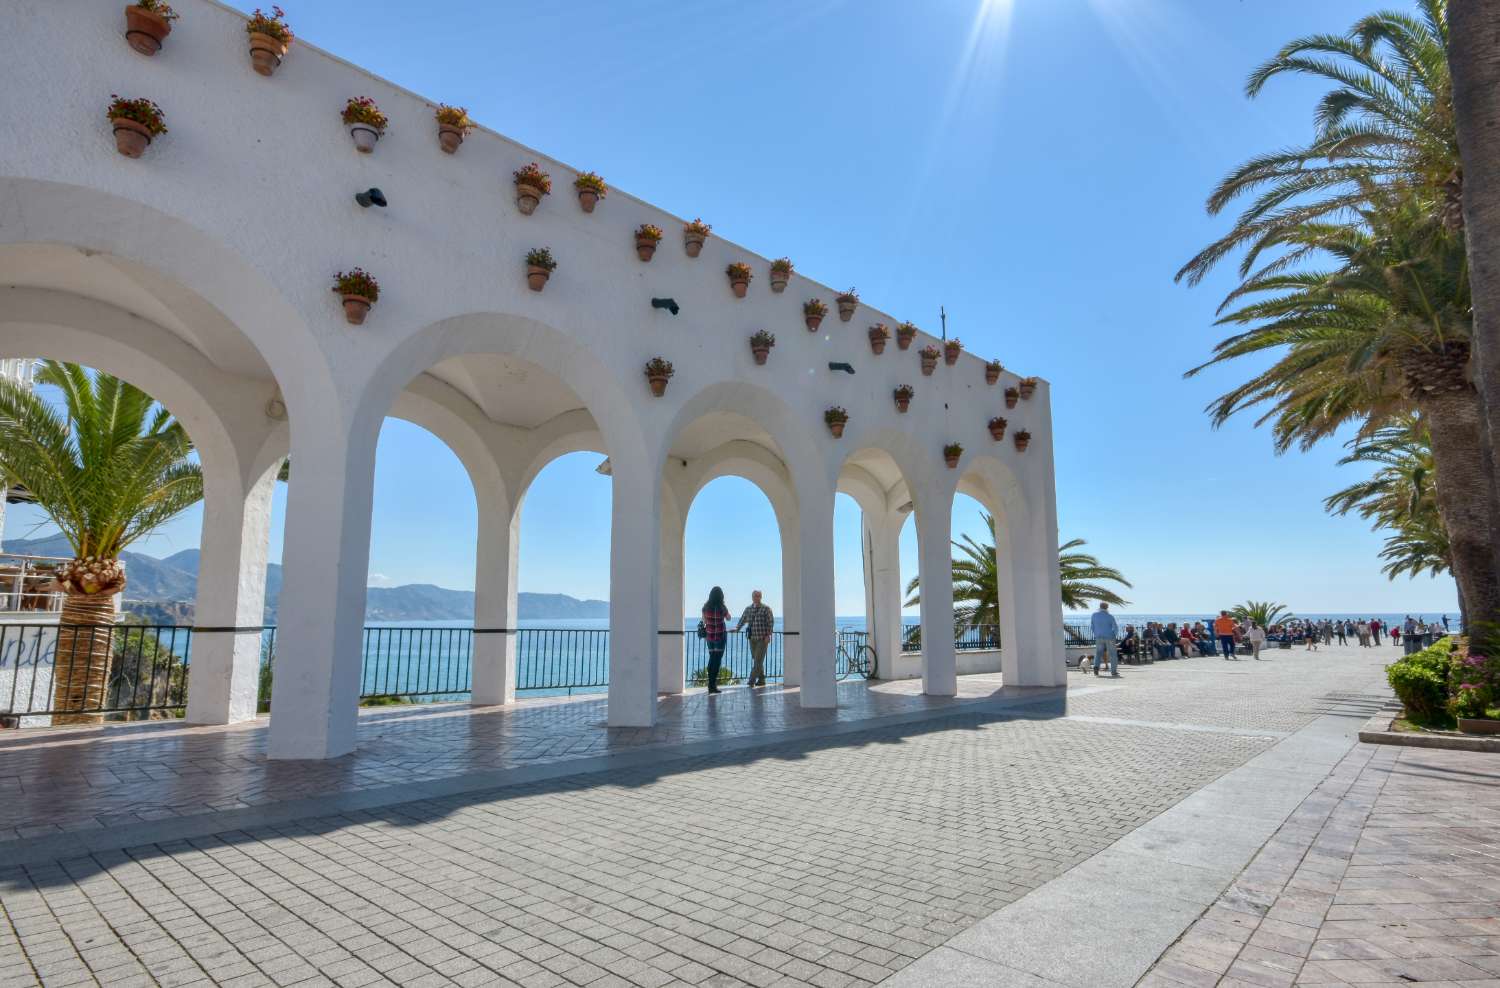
<point>147,24</point>
<point>847,303</point>
<point>590,188</point>
<point>1012,395</point>
<point>836,418</point>
<point>136,122</point>
<point>270,37</point>
<point>951,349</point>
<point>905,333</point>
<point>997,428</point>
<point>647,237</point>
<point>781,273</point>
<point>903,395</point>
<point>929,355</point>
<point>992,369</point>
<point>813,311</point>
<point>760,345</point>
<point>539,267</point>
<point>365,122</point>
<point>453,126</point>
<point>1022,439</point>
<point>880,335</point>
<point>359,291</point>
<point>531,184</point>
<point>658,373</point>
<point>693,236</point>
<point>1028,387</point>
<point>739,278</point>
<point>951,453</point>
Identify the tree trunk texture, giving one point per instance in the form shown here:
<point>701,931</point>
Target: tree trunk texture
<point>1474,61</point>
<point>85,649</point>
<point>1462,488</point>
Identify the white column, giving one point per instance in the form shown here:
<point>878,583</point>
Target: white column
<point>935,570</point>
<point>883,533</point>
<point>1037,580</point>
<point>671,674</point>
<point>230,605</point>
<point>817,626</point>
<point>634,608</point>
<point>320,629</point>
<point>791,596</point>
<point>496,564</point>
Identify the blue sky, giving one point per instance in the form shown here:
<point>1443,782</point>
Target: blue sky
<point>1038,167</point>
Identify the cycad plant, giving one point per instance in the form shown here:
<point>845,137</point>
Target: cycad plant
<point>107,467</point>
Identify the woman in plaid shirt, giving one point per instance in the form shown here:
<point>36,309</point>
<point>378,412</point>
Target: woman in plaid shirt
<point>715,633</point>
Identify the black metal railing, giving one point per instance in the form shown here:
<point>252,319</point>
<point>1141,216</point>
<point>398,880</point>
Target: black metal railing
<point>88,671</point>
<point>982,638</point>
<point>737,659</point>
<point>562,658</point>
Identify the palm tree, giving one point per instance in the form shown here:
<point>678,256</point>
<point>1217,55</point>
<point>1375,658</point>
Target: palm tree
<point>1081,576</point>
<point>1263,612</point>
<point>108,467</point>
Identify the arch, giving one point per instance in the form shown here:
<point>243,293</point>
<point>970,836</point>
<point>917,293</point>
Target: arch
<point>794,447</point>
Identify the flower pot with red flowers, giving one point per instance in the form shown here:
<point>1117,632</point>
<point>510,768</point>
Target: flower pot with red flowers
<point>781,273</point>
<point>590,188</point>
<point>1028,387</point>
<point>905,333</point>
<point>365,122</point>
<point>270,37</point>
<point>539,267</point>
<point>658,372</point>
<point>761,344</point>
<point>693,236</point>
<point>739,278</point>
<point>1022,439</point>
<point>136,122</point>
<point>531,184</point>
<point>1012,395</point>
<point>992,369</point>
<point>813,311</point>
<point>453,126</point>
<point>903,395</point>
<point>836,418</point>
<point>997,428</point>
<point>359,291</point>
<point>847,302</point>
<point>147,24</point>
<point>647,236</point>
<point>951,349</point>
<point>879,337</point>
<point>929,355</point>
<point>951,453</point>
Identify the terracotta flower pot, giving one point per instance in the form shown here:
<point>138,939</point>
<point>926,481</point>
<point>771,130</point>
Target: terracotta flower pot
<point>997,431</point>
<point>1011,397</point>
<point>1478,725</point>
<point>266,53</point>
<point>658,385</point>
<point>145,30</point>
<point>928,365</point>
<point>813,322</point>
<point>902,404</point>
<point>645,248</point>
<point>1028,388</point>
<point>449,138</point>
<point>952,461</point>
<point>527,198</point>
<point>365,137</point>
<point>739,288</point>
<point>588,199</point>
<point>991,375</point>
<point>536,277</point>
<point>692,243</point>
<point>877,344</point>
<point>356,307</point>
<point>904,338</point>
<point>837,428</point>
<point>131,138</point>
<point>1022,441</point>
<point>761,353</point>
<point>846,310</point>
<point>950,355</point>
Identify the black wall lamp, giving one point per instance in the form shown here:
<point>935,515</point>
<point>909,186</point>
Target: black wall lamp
<point>846,368</point>
<point>370,197</point>
<point>670,304</point>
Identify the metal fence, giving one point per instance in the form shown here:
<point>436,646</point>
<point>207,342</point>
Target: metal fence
<point>982,638</point>
<point>125,670</point>
<point>737,659</point>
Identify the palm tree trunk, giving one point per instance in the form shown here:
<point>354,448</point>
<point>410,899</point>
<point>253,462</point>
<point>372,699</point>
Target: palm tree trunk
<point>80,670</point>
<point>1462,487</point>
<point>1474,62</point>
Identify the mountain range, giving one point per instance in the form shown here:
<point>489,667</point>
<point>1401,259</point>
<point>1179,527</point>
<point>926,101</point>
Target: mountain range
<point>163,589</point>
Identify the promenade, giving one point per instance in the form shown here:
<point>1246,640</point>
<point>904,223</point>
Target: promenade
<point>1115,831</point>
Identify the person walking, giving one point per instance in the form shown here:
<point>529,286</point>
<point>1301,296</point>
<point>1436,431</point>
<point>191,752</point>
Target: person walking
<point>1312,638</point>
<point>1105,630</point>
<point>1256,635</point>
<point>1224,629</point>
<point>758,621</point>
<point>1338,629</point>
<point>1375,630</point>
<point>712,630</point>
<point>1363,631</point>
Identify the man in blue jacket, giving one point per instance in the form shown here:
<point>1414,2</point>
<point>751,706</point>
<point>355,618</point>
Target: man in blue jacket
<point>1105,630</point>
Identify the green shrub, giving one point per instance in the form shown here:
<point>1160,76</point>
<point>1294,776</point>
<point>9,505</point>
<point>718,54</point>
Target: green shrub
<point>1420,681</point>
<point>700,676</point>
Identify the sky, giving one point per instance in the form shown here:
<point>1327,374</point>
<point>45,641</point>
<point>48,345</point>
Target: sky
<point>1036,167</point>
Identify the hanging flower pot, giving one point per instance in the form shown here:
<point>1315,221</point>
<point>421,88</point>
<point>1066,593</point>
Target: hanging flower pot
<point>693,236</point>
<point>365,122</point>
<point>879,336</point>
<point>453,126</point>
<point>739,278</point>
<point>992,371</point>
<point>270,36</point>
<point>658,372</point>
<point>781,273</point>
<point>531,184</point>
<point>813,311</point>
<point>1012,395</point>
<point>590,188</point>
<point>647,236</point>
<point>951,453</point>
<point>903,395</point>
<point>905,333</point>
<point>847,302</point>
<point>1022,440</point>
<point>836,418</point>
<point>359,291</point>
<point>1028,387</point>
<point>997,428</point>
<point>761,344</point>
<point>147,24</point>
<point>539,267</point>
<point>929,355</point>
<point>135,123</point>
<point>951,349</point>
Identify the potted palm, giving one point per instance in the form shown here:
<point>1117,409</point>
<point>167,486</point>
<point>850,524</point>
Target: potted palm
<point>365,122</point>
<point>813,311</point>
<point>539,267</point>
<point>903,394</point>
<point>147,24</point>
<point>531,184</point>
<point>997,428</point>
<point>951,453</point>
<point>1012,395</point>
<point>108,465</point>
<point>992,369</point>
<point>836,418</point>
<point>135,123</point>
<point>1028,387</point>
<point>847,303</point>
<point>270,37</point>
<point>693,236</point>
<point>647,236</point>
<point>359,291</point>
<point>951,349</point>
<point>739,278</point>
<point>879,336</point>
<point>590,188</point>
<point>761,344</point>
<point>453,126</point>
<point>781,273</point>
<point>929,355</point>
<point>658,372</point>
<point>905,333</point>
<point>1023,439</point>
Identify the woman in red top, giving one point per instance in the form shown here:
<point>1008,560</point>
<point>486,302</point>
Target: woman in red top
<point>715,634</point>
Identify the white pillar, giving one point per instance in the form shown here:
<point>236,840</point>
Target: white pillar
<point>230,604</point>
<point>671,673</point>
<point>883,535</point>
<point>935,570</point>
<point>496,563</point>
<point>634,609</point>
<point>1038,584</point>
<point>817,628</point>
<point>789,526</point>
<point>320,629</point>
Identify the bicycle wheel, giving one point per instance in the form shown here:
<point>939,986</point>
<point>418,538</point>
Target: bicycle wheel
<point>868,661</point>
<point>843,663</point>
